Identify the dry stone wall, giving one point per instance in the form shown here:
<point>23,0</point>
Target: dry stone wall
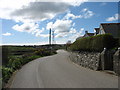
<point>106,60</point>
<point>116,62</point>
<point>86,59</point>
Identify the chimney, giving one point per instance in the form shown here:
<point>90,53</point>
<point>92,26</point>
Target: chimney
<point>86,32</point>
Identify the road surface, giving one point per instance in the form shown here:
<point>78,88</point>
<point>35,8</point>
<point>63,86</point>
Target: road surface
<point>57,71</point>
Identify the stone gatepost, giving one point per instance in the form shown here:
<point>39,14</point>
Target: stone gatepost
<point>103,58</point>
<point>116,62</point>
<point>107,60</point>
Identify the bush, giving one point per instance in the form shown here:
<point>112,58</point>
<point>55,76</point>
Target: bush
<point>119,42</point>
<point>6,74</point>
<point>15,63</point>
<point>29,58</point>
<point>94,43</point>
<point>44,52</point>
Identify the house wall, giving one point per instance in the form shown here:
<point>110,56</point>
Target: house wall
<point>101,30</point>
<point>95,32</point>
<point>110,28</point>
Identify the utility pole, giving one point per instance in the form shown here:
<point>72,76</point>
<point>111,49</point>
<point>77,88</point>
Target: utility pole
<point>50,40</point>
<point>53,37</point>
<point>50,36</point>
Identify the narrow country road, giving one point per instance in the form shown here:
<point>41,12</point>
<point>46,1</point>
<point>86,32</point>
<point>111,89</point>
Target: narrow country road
<point>58,71</point>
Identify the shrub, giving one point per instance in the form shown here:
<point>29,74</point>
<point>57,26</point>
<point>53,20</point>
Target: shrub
<point>119,42</point>
<point>29,58</point>
<point>6,74</point>
<point>44,52</point>
<point>15,63</point>
<point>94,43</point>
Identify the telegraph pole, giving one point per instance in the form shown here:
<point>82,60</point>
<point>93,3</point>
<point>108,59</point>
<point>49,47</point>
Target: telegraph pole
<point>53,37</point>
<point>50,36</point>
<point>50,40</point>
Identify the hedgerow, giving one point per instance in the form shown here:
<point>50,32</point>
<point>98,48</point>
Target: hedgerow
<point>119,42</point>
<point>17,61</point>
<point>94,43</point>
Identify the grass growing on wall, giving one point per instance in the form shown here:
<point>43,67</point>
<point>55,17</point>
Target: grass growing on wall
<point>94,43</point>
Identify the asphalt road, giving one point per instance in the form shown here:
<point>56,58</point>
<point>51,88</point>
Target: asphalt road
<point>58,71</point>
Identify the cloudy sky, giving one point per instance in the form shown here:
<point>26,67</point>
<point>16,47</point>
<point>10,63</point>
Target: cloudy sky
<point>28,21</point>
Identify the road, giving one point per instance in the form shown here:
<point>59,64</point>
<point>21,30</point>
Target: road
<point>57,71</point>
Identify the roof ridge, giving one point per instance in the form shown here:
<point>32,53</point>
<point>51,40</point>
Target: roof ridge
<point>109,23</point>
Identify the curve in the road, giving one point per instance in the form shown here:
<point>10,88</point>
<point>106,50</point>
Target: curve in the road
<point>58,71</point>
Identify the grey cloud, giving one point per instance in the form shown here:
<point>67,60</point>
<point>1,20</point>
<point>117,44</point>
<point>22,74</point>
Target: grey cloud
<point>27,28</point>
<point>40,10</point>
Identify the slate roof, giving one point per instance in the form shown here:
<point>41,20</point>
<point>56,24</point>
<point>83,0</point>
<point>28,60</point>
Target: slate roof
<point>112,28</point>
<point>90,34</point>
<point>97,29</point>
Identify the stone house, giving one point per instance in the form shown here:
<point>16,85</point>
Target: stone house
<point>86,35</point>
<point>112,28</point>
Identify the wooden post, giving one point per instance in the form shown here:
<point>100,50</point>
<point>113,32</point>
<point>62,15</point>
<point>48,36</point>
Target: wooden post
<point>50,36</point>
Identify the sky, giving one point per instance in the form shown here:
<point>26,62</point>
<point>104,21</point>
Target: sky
<point>27,22</point>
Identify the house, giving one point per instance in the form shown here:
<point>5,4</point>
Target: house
<point>96,31</point>
<point>88,34</point>
<point>112,28</point>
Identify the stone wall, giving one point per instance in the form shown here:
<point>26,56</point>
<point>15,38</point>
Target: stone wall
<point>116,62</point>
<point>106,60</point>
<point>86,59</point>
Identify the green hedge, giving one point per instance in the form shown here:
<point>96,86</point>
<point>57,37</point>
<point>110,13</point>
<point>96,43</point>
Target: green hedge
<point>119,42</point>
<point>14,64</point>
<point>94,43</point>
<point>45,52</point>
<point>6,73</point>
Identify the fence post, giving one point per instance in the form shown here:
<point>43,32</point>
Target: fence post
<point>116,62</point>
<point>103,58</point>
